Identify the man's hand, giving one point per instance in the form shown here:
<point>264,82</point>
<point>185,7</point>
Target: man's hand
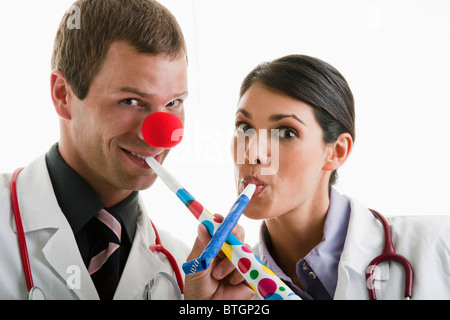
<point>221,281</point>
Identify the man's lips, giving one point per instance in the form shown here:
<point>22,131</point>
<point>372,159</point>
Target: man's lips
<point>138,157</point>
<point>260,184</point>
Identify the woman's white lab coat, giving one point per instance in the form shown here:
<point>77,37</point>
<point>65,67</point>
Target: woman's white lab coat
<point>56,263</point>
<point>423,240</point>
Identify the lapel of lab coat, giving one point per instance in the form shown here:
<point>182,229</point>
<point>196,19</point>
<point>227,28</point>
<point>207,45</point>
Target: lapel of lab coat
<point>142,264</point>
<point>40,213</point>
<point>363,243</point>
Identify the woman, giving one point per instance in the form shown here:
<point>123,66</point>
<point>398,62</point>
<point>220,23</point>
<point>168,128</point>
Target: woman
<point>295,126</point>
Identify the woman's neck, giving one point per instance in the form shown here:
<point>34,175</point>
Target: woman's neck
<point>294,234</point>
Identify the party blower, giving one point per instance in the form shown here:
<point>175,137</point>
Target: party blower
<point>164,130</point>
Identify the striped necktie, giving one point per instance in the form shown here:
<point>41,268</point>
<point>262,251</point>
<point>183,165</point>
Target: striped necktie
<point>104,265</point>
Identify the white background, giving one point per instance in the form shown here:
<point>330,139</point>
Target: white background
<point>394,54</point>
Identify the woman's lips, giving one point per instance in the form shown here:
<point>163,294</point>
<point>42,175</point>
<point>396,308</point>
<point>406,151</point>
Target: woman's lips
<point>260,185</point>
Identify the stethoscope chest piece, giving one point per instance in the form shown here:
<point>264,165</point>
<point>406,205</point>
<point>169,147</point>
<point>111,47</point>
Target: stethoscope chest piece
<point>160,276</point>
<point>36,294</point>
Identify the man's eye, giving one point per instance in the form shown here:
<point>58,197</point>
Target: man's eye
<point>131,102</point>
<point>174,103</point>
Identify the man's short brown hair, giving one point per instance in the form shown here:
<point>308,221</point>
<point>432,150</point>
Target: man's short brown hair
<point>79,52</point>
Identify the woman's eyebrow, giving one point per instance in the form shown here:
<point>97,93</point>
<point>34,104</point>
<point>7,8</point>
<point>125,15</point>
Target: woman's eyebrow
<point>278,117</point>
<point>273,118</point>
<point>244,113</point>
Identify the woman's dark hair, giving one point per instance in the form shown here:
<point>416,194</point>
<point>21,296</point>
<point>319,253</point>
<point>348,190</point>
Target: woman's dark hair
<point>315,83</point>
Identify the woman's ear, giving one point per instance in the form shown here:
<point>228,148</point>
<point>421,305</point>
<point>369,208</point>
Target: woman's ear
<point>339,152</point>
<point>59,92</point>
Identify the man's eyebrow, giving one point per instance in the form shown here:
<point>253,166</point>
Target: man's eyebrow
<point>184,94</point>
<point>135,91</point>
<point>278,117</point>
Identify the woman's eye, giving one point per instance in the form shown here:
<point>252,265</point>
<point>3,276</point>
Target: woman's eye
<point>243,127</point>
<point>287,133</point>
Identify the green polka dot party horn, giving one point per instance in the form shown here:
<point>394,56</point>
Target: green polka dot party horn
<point>260,278</point>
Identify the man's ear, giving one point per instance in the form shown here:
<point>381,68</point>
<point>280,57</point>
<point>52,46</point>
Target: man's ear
<point>339,152</point>
<point>59,92</point>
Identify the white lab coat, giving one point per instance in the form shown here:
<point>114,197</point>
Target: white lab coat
<point>56,263</point>
<point>423,240</point>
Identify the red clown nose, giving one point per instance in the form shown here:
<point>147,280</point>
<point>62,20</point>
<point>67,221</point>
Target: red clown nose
<point>162,130</point>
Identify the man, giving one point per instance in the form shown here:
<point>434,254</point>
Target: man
<point>87,232</point>
<point>126,61</point>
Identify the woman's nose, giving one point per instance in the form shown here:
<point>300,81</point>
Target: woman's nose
<point>258,148</point>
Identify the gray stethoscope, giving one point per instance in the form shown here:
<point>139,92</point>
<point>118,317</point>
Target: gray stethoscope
<point>35,293</point>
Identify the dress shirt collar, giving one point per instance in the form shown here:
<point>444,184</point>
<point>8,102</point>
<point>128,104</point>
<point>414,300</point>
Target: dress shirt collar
<point>79,202</point>
<point>323,259</point>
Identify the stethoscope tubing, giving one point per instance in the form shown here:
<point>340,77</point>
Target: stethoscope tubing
<point>24,249</point>
<point>388,253</point>
<point>20,232</point>
<point>159,247</point>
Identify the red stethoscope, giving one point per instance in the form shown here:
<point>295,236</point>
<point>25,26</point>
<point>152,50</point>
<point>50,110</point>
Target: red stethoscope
<point>388,253</point>
<point>34,291</point>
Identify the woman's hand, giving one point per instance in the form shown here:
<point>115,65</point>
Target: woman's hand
<point>221,281</point>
